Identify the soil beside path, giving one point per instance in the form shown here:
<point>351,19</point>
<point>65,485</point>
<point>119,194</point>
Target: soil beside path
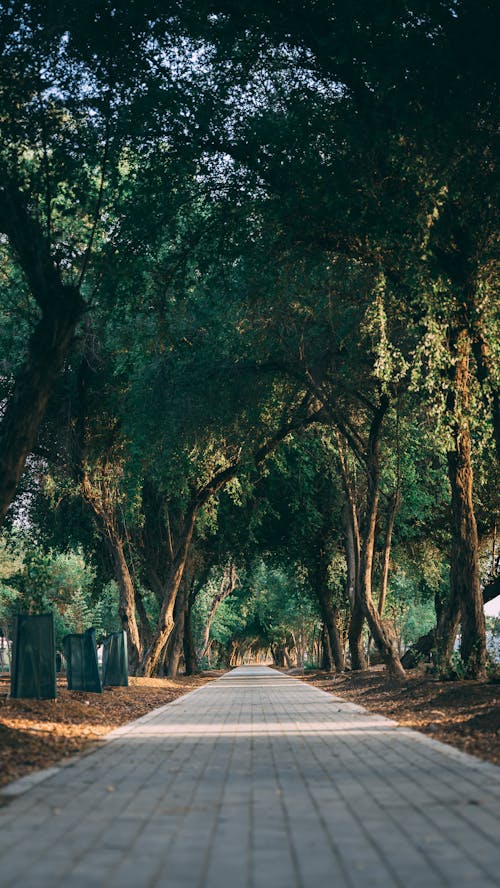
<point>465,714</point>
<point>38,733</point>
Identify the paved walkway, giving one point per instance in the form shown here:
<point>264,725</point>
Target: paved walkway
<point>258,780</point>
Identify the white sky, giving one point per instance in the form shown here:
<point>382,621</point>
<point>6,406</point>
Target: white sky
<point>492,609</point>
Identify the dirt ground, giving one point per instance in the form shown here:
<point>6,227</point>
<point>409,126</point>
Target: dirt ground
<point>37,733</point>
<point>465,714</point>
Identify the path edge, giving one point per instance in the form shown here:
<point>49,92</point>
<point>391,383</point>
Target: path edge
<point>34,778</point>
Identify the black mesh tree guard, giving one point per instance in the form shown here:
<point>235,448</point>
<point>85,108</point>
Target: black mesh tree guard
<point>33,657</point>
<point>82,669</point>
<point>115,660</point>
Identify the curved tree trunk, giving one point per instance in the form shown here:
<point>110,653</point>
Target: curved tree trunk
<point>126,592</point>
<point>227,587</point>
<point>165,624</point>
<point>108,527</point>
<point>382,633</point>
<point>100,498</point>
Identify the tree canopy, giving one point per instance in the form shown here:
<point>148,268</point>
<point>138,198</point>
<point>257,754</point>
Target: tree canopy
<point>249,307</point>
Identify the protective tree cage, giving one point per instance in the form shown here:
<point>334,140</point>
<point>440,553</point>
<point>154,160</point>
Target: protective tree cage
<point>33,657</point>
<point>115,660</point>
<point>82,669</point>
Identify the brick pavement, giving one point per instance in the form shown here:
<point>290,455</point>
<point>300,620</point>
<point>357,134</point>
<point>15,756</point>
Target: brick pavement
<point>257,780</point>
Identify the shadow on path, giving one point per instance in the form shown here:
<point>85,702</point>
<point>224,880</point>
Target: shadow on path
<point>258,780</point>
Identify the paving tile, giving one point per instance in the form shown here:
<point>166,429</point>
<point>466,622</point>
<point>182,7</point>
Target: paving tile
<point>257,780</point>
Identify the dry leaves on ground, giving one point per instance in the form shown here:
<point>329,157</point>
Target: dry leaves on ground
<point>465,714</point>
<point>37,733</point>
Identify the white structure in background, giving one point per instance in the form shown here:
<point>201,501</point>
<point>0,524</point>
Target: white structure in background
<point>5,654</point>
<point>492,609</point>
<point>493,646</point>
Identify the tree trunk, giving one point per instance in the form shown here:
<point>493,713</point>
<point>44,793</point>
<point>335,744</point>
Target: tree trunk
<point>126,598</point>
<point>326,661</point>
<point>441,639</point>
<point>144,625</point>
<point>189,646</point>
<point>25,409</point>
<point>278,652</point>
<point>355,636</point>
<point>232,655</point>
<point>352,547</point>
<point>49,345</point>
<point>178,562</point>
<point>165,621</point>
<point>464,575</point>
<point>295,648</point>
<point>446,631</point>
<point>155,540</point>
<point>330,616</point>
<point>176,640</point>
<point>227,587</point>
<point>423,646</point>
<point>382,633</point>
<point>386,554</point>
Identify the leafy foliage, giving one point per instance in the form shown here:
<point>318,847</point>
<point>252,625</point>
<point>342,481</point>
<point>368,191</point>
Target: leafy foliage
<point>278,224</point>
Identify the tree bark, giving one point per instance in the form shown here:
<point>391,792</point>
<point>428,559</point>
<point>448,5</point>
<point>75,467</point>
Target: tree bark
<point>61,308</point>
<point>423,646</point>
<point>278,654</point>
<point>227,587</point>
<point>232,655</point>
<point>382,633</point>
<point>126,599</point>
<point>155,541</point>
<point>165,624</point>
<point>100,502</point>
<point>465,586</point>
<point>386,553</point>
<point>47,351</point>
<point>203,495</point>
<point>144,625</point>
<point>352,547</point>
<point>330,615</point>
<point>189,646</point>
<point>326,662</point>
<point>176,640</point>
<point>446,631</point>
